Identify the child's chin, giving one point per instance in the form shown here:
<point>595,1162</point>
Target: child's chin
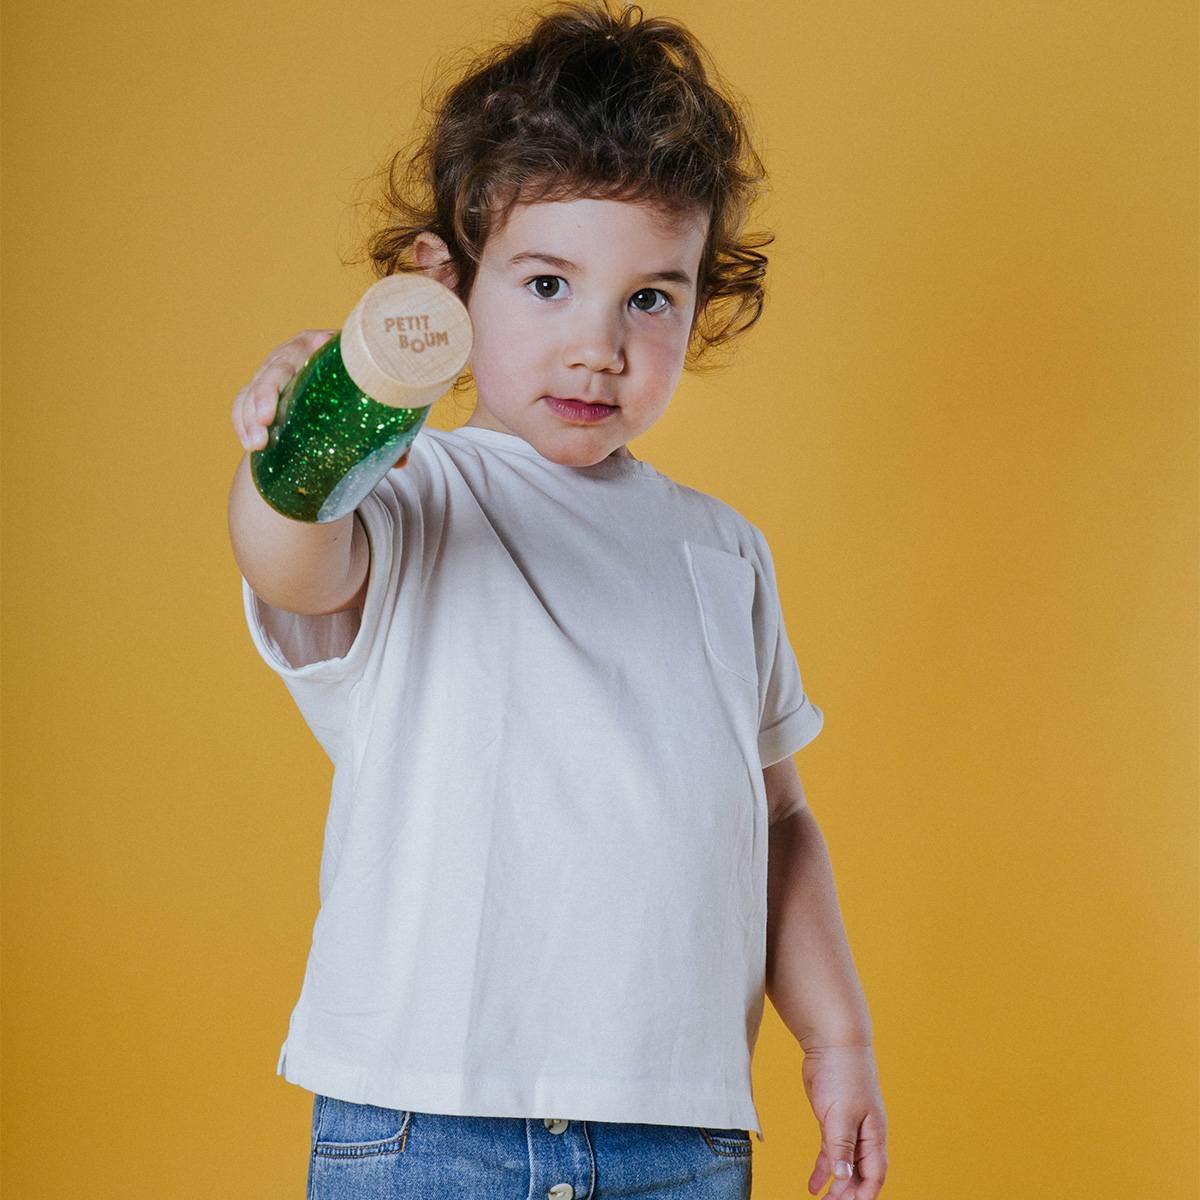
<point>581,454</point>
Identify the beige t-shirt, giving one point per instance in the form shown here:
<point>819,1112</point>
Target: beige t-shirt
<point>543,885</point>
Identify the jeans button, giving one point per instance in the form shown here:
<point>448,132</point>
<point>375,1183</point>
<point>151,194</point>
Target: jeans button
<point>555,1124</point>
<point>562,1191</point>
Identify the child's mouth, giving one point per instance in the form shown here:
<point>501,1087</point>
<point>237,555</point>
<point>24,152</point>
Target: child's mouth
<point>580,410</point>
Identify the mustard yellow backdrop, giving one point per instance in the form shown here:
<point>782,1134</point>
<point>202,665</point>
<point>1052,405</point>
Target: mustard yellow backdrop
<point>967,425</point>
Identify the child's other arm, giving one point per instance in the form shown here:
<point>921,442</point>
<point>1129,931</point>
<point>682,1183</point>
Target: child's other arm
<point>293,565</point>
<point>814,987</point>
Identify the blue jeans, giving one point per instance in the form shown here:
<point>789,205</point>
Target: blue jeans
<point>360,1152</point>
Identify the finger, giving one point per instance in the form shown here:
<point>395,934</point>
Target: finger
<point>274,373</point>
<point>871,1168</point>
<point>295,351</point>
<point>310,339</point>
<point>830,1168</point>
<point>247,424</point>
<point>865,1183</point>
<point>284,361</point>
<point>252,415</point>
<point>841,1154</point>
<point>250,429</point>
<point>842,1188</point>
<point>264,401</point>
<point>254,409</point>
<point>820,1175</point>
<point>238,416</point>
<point>836,1161</point>
<point>255,405</point>
<point>402,461</point>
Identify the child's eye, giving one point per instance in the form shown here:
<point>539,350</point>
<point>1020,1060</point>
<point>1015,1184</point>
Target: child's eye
<point>549,287</point>
<point>649,300</point>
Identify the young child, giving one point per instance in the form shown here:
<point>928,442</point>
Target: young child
<point>567,848</point>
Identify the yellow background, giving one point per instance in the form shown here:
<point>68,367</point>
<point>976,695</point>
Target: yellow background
<point>967,425</point>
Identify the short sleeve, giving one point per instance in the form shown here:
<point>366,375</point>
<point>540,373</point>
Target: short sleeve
<point>789,720</point>
<point>319,657</point>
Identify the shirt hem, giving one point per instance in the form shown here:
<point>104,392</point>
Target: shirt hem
<point>557,1097</point>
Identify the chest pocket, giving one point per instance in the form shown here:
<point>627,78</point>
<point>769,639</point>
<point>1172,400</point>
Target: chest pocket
<point>724,586</point>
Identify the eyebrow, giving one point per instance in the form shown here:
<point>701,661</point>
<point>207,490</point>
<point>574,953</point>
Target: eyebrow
<point>565,264</point>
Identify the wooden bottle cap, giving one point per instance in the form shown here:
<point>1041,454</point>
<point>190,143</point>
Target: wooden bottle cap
<point>406,341</point>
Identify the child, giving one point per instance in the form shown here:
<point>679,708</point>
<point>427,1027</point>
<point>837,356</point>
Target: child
<point>567,847</point>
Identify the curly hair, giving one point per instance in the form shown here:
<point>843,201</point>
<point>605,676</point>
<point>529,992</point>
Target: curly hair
<point>596,103</point>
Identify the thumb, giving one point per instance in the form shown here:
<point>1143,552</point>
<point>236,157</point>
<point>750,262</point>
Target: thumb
<point>838,1144</point>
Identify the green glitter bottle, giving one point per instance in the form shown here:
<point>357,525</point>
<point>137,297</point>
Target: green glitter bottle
<point>356,405</point>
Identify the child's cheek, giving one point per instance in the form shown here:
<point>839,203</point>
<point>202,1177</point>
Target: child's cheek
<point>501,361</point>
<point>667,352</point>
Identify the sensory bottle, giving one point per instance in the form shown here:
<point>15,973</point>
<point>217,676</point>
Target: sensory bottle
<point>352,411</point>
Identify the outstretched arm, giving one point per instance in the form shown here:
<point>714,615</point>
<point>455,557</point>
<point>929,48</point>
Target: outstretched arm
<point>293,565</point>
<point>814,987</point>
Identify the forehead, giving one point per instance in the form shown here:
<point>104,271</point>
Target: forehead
<point>625,230</point>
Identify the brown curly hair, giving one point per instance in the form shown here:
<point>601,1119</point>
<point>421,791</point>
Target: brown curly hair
<point>589,102</point>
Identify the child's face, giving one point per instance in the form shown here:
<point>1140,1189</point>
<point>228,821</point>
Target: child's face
<point>582,310</point>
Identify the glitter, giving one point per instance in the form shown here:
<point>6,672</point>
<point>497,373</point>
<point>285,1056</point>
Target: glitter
<point>330,442</point>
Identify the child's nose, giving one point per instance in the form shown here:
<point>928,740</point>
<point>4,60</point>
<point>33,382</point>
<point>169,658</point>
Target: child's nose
<point>595,342</point>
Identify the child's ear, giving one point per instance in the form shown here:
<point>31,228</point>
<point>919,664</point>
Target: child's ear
<point>433,259</point>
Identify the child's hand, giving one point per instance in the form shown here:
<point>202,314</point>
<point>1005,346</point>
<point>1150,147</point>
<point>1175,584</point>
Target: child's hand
<point>843,1089</point>
<point>254,408</point>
